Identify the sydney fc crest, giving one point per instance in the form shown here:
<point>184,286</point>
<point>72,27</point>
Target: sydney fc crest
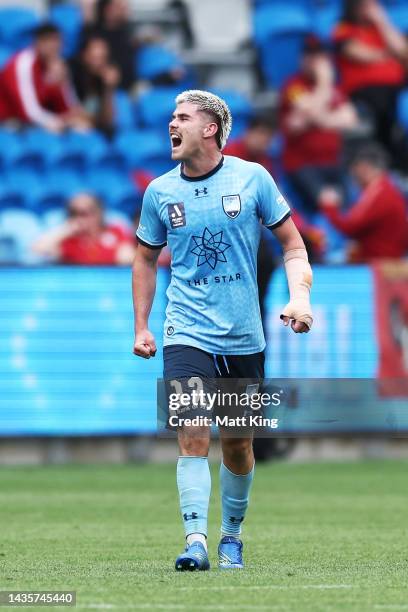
<point>231,205</point>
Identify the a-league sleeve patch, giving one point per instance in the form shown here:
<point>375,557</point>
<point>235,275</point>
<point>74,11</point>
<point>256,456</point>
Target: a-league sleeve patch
<point>177,215</point>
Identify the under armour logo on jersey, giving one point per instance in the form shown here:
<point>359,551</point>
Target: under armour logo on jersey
<point>190,517</point>
<point>199,193</point>
<point>234,519</point>
<point>177,215</point>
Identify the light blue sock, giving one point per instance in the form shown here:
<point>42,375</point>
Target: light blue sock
<point>234,498</point>
<point>194,485</point>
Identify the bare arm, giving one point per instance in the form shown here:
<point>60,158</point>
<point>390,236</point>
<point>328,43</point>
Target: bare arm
<point>299,275</point>
<point>143,290</point>
<point>342,118</point>
<point>394,39</point>
<point>364,54</point>
<point>49,244</point>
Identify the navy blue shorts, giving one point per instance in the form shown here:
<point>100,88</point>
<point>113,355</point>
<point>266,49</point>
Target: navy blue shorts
<point>188,369</point>
<point>181,361</point>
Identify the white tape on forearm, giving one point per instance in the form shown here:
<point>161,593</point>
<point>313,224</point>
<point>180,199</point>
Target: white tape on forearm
<point>300,278</point>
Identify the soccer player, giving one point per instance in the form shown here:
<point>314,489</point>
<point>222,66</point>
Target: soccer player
<point>209,210</point>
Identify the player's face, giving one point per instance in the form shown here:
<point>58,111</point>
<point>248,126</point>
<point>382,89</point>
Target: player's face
<point>187,131</point>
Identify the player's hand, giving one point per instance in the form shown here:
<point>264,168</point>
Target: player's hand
<point>145,345</point>
<point>299,314</point>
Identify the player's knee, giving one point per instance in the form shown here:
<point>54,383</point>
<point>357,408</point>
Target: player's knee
<point>237,452</point>
<point>194,441</point>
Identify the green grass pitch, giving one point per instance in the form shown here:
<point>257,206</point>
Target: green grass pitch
<point>317,537</point>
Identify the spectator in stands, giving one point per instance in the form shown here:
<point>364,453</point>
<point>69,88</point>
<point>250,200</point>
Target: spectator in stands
<point>254,144</point>
<point>95,79</point>
<point>35,87</point>
<point>112,24</point>
<point>378,221</point>
<point>372,60</point>
<point>85,238</point>
<point>313,114</point>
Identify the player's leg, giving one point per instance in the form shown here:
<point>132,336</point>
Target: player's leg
<point>194,485</point>
<point>237,469</point>
<point>182,366</point>
<point>236,476</point>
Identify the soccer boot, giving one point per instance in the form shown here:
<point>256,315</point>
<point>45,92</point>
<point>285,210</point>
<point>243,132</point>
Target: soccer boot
<point>230,553</point>
<point>194,558</point>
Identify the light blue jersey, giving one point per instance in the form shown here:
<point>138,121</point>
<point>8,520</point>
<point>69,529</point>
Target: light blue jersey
<point>212,225</point>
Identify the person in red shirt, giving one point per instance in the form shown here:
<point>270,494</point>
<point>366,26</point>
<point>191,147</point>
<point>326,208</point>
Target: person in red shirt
<point>35,88</point>
<point>254,144</point>
<point>378,221</point>
<point>313,113</point>
<point>372,59</point>
<point>85,238</point>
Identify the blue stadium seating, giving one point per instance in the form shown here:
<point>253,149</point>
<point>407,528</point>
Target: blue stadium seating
<point>115,189</point>
<point>124,111</point>
<point>280,29</point>
<point>43,148</point>
<point>58,186</point>
<point>23,227</point>
<point>5,53</point>
<point>28,183</point>
<point>11,147</point>
<point>53,217</point>
<point>305,4</point>
<point>402,109</point>
<point>325,15</point>
<point>145,149</point>
<point>241,110</point>
<point>152,61</point>
<point>16,25</point>
<point>10,197</point>
<point>398,12</point>
<point>156,107</point>
<point>81,150</point>
<point>68,18</point>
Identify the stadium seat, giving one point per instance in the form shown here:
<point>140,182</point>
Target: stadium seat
<point>68,18</point>
<point>42,148</point>
<point>146,149</point>
<point>402,109</point>
<point>53,217</point>
<point>57,186</point>
<point>11,147</point>
<point>81,150</point>
<point>124,111</point>
<point>5,54</point>
<point>279,34</point>
<point>398,13</point>
<point>22,227</point>
<point>241,109</point>
<point>325,15</point>
<point>152,61</point>
<point>156,107</point>
<point>16,25</point>
<point>28,183</point>
<point>115,189</point>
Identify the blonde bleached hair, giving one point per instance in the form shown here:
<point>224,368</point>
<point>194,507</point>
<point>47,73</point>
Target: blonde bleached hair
<point>212,104</point>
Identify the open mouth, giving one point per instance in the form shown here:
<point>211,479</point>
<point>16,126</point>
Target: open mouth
<point>175,141</point>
